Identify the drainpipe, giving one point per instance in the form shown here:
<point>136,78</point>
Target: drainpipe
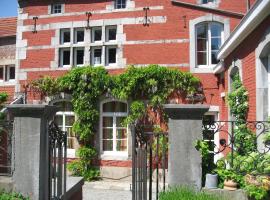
<point>248,5</point>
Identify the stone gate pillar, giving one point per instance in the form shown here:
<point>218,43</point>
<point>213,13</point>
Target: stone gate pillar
<point>30,150</point>
<point>185,127</point>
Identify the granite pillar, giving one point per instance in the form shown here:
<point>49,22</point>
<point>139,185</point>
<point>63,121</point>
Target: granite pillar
<point>31,148</point>
<point>185,127</point>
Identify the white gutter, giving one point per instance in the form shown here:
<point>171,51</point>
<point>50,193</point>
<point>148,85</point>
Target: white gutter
<point>253,18</point>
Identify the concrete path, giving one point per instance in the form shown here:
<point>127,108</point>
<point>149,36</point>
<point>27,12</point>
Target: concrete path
<point>107,190</point>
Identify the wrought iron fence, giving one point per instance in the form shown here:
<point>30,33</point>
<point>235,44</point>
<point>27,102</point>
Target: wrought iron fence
<point>244,145</point>
<point>149,156</point>
<point>57,164</point>
<point>6,140</point>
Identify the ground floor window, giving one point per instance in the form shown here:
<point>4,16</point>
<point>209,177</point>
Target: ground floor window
<point>114,132</point>
<point>65,119</point>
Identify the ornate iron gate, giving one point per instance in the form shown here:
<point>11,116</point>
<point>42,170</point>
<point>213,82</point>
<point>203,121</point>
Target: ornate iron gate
<point>57,164</point>
<point>6,140</point>
<point>149,153</point>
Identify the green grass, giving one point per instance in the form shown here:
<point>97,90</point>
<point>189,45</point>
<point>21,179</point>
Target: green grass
<point>186,193</point>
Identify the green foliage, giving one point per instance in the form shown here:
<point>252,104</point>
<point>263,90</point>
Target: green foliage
<point>138,85</point>
<point>82,166</point>
<point>203,147</point>
<point>12,196</point>
<point>258,193</point>
<point>3,97</point>
<point>229,174</point>
<point>186,193</point>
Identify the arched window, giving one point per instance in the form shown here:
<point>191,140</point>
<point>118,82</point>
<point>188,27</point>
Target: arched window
<point>65,118</point>
<point>209,37</point>
<point>113,132</point>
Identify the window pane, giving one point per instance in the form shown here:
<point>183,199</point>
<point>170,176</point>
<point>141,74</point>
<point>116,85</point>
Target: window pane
<point>56,8</point>
<point>201,58</point>
<point>80,56</point>
<point>115,106</point>
<point>71,141</point>
<point>80,35</point>
<point>111,33</point>
<point>107,145</point>
<point>107,133</point>
<point>215,43</point>
<point>97,34</point>
<point>66,57</point>
<point>1,73</point>
<point>112,55</point>
<point>121,145</point>
<point>214,57</point>
<point>97,56</point>
<point>121,133</point>
<point>202,31</point>
<point>120,4</point>
<point>107,122</point>
<point>66,36</point>
<point>70,120</point>
<point>11,72</point>
<point>201,44</point>
<point>216,30</point>
<point>119,121</point>
<point>59,120</point>
<point>207,1</point>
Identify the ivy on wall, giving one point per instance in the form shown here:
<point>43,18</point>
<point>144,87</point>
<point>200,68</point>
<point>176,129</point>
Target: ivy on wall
<point>145,87</point>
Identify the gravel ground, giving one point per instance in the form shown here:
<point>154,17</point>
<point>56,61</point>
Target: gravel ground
<point>101,194</point>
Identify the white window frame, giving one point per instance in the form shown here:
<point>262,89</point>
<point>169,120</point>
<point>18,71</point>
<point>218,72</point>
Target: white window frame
<point>75,35</point>
<point>53,8</point>
<point>121,4</point>
<point>108,28</point>
<point>93,34</point>
<point>75,50</point>
<point>62,31</point>
<point>71,153</point>
<point>208,44</point>
<point>6,73</point>
<point>107,55</point>
<point>61,60</point>
<point>123,154</point>
<point>93,53</point>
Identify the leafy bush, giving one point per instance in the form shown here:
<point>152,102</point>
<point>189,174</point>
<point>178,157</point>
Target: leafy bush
<point>186,193</point>
<point>11,196</point>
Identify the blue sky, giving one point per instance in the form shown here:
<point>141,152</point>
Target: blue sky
<point>8,8</point>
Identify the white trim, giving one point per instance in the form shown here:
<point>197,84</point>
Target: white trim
<point>93,29</point>
<point>253,18</point>
<point>75,50</point>
<point>62,31</point>
<point>93,58</point>
<point>75,35</point>
<point>61,57</point>
<point>121,155</point>
<point>108,28</point>
<point>107,55</point>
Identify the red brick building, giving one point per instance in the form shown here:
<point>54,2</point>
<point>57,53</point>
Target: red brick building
<point>53,36</point>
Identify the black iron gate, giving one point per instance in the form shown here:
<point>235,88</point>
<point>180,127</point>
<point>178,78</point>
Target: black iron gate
<point>149,158</point>
<point>57,162</point>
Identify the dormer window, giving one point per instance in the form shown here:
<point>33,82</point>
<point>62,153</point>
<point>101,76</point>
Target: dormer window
<point>56,8</point>
<point>119,4</point>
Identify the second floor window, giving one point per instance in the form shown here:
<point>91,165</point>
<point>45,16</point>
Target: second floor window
<point>7,73</point>
<point>120,4</point>
<point>209,37</point>
<point>207,1</point>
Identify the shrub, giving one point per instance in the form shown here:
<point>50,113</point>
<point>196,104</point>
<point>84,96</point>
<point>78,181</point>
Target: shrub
<point>186,193</point>
<point>11,196</point>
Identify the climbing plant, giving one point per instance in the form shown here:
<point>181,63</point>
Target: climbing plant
<point>147,88</point>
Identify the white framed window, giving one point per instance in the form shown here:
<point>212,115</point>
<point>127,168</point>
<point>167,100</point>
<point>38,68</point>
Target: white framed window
<point>96,57</point>
<point>56,8</point>
<point>111,32</point>
<point>78,56</point>
<point>65,36</point>
<point>209,38</point>
<point>114,138</point>
<point>111,52</point>
<point>65,119</point>
<point>120,4</point>
<point>65,59</point>
<point>79,35</point>
<point>96,34</point>
<point>7,73</point>
<point>207,1</point>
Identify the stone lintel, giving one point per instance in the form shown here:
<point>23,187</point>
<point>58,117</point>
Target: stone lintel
<point>185,111</point>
